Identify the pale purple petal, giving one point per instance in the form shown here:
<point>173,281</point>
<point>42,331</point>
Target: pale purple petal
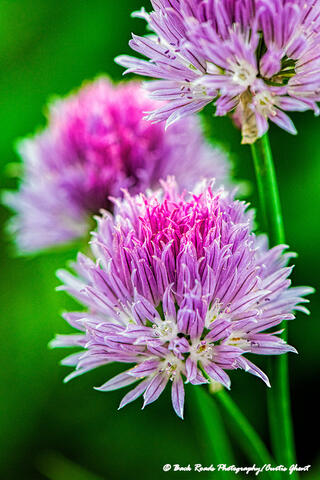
<point>253,369</point>
<point>218,374</point>
<point>155,388</point>
<point>283,121</point>
<point>119,381</point>
<point>134,394</point>
<point>177,394</point>
<point>144,369</point>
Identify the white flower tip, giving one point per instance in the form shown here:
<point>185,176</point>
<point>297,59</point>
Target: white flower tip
<point>117,59</point>
<point>137,13</point>
<point>99,389</point>
<point>52,344</point>
<point>171,120</point>
<point>146,403</point>
<point>266,380</point>
<point>67,379</point>
<point>60,273</point>
<point>180,415</point>
<point>56,343</point>
<point>291,349</point>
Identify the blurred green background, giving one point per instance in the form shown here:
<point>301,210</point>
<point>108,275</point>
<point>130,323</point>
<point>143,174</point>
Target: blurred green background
<point>63,432</point>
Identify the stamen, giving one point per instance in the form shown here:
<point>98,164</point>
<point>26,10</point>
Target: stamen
<point>265,103</point>
<point>203,350</point>
<point>244,73</point>
<point>237,339</point>
<point>165,330</point>
<point>214,312</point>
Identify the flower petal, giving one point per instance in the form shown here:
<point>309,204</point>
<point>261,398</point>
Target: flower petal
<point>177,394</point>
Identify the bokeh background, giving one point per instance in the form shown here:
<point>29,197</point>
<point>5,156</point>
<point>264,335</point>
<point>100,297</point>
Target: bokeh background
<point>71,432</point>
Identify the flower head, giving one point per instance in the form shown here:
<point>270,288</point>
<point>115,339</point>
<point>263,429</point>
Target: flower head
<point>182,289</point>
<point>96,144</point>
<point>255,58</point>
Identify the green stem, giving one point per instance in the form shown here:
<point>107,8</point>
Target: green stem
<point>268,190</point>
<point>56,467</point>
<point>218,447</point>
<point>248,438</point>
<point>279,395</point>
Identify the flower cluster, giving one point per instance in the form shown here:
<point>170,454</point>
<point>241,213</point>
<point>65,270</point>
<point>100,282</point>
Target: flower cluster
<point>96,144</point>
<point>182,289</point>
<point>254,58</point>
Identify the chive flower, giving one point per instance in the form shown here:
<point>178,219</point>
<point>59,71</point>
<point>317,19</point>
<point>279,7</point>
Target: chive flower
<point>180,290</point>
<point>256,59</point>
<point>96,144</point>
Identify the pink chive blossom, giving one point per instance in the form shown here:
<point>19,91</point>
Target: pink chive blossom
<point>96,144</point>
<point>253,58</point>
<point>181,290</point>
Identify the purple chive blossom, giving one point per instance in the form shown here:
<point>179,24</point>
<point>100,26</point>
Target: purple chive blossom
<point>254,58</point>
<point>96,144</point>
<point>181,291</point>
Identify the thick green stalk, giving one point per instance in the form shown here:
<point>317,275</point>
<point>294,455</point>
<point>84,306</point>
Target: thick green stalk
<point>268,190</point>
<point>218,447</point>
<point>56,467</point>
<point>279,395</point>
<point>248,438</point>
